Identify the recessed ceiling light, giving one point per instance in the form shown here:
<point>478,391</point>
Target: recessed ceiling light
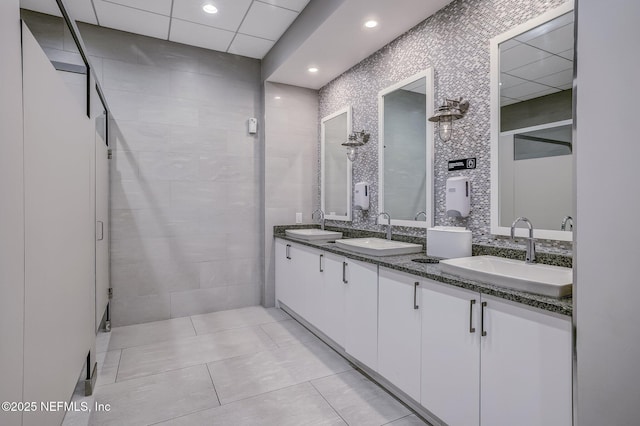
<point>277,97</point>
<point>209,8</point>
<point>313,69</point>
<point>371,24</point>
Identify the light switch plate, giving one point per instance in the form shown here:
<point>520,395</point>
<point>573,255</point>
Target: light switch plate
<point>298,217</point>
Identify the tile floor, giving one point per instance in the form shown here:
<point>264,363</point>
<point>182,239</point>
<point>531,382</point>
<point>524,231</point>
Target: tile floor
<point>249,366</point>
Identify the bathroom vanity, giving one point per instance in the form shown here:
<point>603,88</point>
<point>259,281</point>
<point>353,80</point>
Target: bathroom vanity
<point>457,351</point>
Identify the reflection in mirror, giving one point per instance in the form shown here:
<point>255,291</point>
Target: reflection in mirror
<point>532,146</point>
<point>406,166</point>
<point>335,186</point>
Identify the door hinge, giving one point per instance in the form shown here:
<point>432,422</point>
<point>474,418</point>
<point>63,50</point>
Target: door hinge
<point>109,154</point>
<point>110,293</point>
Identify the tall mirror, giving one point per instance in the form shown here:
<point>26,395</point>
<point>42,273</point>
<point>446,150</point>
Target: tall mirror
<point>406,151</point>
<point>531,121</point>
<point>335,168</point>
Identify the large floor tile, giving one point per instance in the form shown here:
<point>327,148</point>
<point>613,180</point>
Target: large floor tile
<point>156,398</point>
<point>287,332</point>
<point>358,400</point>
<point>237,318</point>
<point>179,353</point>
<point>246,376</point>
<point>102,341</point>
<point>293,406</point>
<point>108,367</point>
<point>152,332</point>
<point>411,420</point>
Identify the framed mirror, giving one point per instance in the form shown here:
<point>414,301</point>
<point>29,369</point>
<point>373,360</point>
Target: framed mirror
<point>405,169</point>
<point>335,168</point>
<point>531,126</point>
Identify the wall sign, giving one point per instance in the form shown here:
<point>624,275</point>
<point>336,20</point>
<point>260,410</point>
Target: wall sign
<point>465,163</point>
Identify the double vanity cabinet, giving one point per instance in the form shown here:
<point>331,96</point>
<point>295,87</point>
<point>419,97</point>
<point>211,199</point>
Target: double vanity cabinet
<point>457,356</point>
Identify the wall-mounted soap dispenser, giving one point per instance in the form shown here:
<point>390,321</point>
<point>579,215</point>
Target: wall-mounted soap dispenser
<point>458,198</point>
<point>361,196</point>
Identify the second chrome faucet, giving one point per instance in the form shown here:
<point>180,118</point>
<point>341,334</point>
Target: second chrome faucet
<point>388,223</point>
<point>531,243</point>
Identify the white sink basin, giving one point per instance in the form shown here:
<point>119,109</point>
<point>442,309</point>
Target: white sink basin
<point>314,234</point>
<point>378,246</point>
<point>546,280</point>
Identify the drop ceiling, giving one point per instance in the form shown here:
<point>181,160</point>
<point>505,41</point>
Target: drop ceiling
<point>538,62</point>
<point>243,27</point>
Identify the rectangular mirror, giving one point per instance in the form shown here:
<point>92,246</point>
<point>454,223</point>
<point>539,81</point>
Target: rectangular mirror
<point>531,126</point>
<point>335,168</point>
<point>406,151</point>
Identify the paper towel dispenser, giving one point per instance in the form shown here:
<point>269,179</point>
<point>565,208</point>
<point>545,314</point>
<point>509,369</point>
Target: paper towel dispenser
<point>458,198</point>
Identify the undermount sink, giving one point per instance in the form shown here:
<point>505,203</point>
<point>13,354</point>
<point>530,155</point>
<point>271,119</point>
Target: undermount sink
<point>313,234</point>
<point>546,280</point>
<point>378,246</point>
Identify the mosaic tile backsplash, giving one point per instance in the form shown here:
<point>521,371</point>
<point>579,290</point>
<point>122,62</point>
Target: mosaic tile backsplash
<point>455,44</point>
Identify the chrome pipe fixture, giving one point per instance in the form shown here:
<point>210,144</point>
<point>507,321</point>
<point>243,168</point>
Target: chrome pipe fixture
<point>531,243</point>
<point>388,223</point>
<point>446,114</point>
<point>563,225</point>
<point>422,213</point>
<point>356,140</point>
<point>321,217</point>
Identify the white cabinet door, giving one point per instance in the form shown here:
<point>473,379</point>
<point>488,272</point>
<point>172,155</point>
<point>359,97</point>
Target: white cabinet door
<point>399,330</point>
<point>362,312</point>
<point>284,272</point>
<point>526,367</point>
<point>332,322</point>
<point>307,282</point>
<point>451,353</point>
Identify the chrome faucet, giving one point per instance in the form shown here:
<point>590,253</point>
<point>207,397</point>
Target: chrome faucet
<point>563,226</point>
<point>531,243</point>
<point>321,217</point>
<point>388,224</point>
<point>420,213</point>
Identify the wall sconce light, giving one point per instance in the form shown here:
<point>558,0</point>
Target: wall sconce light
<point>452,110</point>
<point>356,139</point>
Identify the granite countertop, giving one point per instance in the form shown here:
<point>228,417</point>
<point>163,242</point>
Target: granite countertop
<point>405,263</point>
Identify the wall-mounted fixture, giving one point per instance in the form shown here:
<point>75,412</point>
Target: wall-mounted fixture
<point>356,139</point>
<point>450,111</point>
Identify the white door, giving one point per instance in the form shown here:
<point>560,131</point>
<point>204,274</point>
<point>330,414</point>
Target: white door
<point>399,328</point>
<point>451,353</point>
<point>333,319</point>
<point>284,272</point>
<point>526,367</point>
<point>361,341</point>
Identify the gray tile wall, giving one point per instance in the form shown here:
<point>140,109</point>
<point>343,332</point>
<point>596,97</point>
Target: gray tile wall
<point>455,43</point>
<point>185,176</point>
<point>291,162</point>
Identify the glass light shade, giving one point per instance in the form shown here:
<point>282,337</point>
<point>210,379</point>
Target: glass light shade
<point>352,153</point>
<point>445,129</point>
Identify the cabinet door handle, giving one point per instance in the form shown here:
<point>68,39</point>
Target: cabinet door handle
<point>415,295</point>
<point>321,256</point>
<point>100,231</point>
<point>288,254</point>
<point>471,327</point>
<point>484,332</point>
<point>344,272</point>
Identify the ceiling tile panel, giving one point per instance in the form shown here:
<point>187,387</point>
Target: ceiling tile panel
<point>200,35</point>
<point>132,20</point>
<point>519,56</point>
<point>229,16</point>
<point>296,5</point>
<point>163,7</point>
<point>267,21</point>
<point>559,79</point>
<point>544,92</point>
<point>568,54</point>
<point>542,68</point>
<point>555,41</point>
<point>522,90</point>
<point>547,27</point>
<point>50,7</point>
<point>81,10</point>
<point>507,81</point>
<point>253,47</point>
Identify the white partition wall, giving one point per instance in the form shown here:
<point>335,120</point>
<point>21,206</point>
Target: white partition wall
<point>11,212</point>
<point>59,235</point>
